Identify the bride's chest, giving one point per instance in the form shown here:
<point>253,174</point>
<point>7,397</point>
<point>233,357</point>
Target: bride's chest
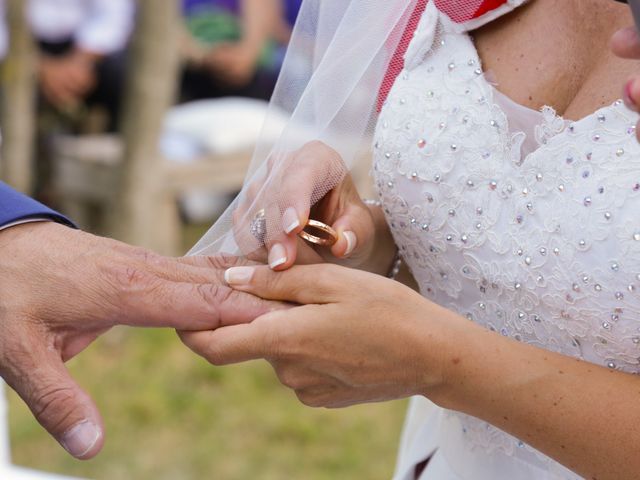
<point>535,235</point>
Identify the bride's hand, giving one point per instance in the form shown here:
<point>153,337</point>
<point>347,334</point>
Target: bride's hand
<point>357,338</point>
<point>626,44</point>
<point>284,195</point>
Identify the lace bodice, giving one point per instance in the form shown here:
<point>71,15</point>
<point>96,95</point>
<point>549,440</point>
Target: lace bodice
<point>526,224</point>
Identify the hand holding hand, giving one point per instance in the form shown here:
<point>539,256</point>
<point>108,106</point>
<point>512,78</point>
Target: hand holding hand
<point>357,338</point>
<point>61,288</point>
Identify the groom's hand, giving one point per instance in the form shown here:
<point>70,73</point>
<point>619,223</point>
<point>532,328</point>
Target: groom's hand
<point>61,288</point>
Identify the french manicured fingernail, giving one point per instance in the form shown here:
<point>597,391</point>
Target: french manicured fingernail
<point>352,242</point>
<point>290,220</point>
<point>238,275</point>
<point>80,439</point>
<point>277,256</point>
<point>628,99</point>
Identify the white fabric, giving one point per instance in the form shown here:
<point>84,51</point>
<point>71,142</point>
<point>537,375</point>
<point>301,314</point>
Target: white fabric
<point>223,125</point>
<point>23,221</point>
<point>99,26</point>
<point>519,220</point>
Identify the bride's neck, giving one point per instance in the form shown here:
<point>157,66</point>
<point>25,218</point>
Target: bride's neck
<point>556,52</point>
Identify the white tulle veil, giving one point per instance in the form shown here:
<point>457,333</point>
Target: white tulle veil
<point>328,90</point>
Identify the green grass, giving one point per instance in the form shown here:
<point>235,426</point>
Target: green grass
<point>171,415</point>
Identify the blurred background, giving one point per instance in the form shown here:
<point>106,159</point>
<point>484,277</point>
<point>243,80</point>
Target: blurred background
<point>137,118</point>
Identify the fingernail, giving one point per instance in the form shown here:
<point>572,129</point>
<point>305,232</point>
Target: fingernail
<point>277,256</point>
<point>238,275</point>
<point>80,439</point>
<point>628,100</point>
<point>352,241</point>
<point>290,220</point>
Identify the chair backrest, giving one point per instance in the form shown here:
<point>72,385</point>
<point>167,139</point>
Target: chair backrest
<point>4,429</point>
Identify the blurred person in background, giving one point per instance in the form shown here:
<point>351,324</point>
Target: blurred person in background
<point>235,47</point>
<point>81,45</point>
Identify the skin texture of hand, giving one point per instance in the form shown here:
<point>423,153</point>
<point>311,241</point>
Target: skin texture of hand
<point>358,337</point>
<point>62,288</point>
<point>364,240</point>
<point>626,44</point>
<point>66,80</point>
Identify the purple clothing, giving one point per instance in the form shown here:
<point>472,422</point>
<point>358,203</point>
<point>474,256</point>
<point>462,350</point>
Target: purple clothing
<point>15,206</point>
<point>291,7</point>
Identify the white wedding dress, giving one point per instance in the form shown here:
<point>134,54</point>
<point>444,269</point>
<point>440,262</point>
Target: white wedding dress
<point>524,223</point>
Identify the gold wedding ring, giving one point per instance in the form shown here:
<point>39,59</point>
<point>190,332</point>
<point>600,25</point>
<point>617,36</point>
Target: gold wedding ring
<point>325,241</point>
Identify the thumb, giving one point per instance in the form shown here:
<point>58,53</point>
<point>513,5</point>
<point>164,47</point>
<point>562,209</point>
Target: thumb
<point>60,405</point>
<point>355,229</point>
<point>625,43</point>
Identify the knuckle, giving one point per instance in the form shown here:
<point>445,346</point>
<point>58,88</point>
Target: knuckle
<point>52,405</point>
<point>131,278</point>
<point>214,294</point>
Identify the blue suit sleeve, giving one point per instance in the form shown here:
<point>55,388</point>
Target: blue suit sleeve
<point>15,206</point>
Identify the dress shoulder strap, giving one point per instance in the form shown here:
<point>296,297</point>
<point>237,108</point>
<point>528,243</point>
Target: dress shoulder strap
<point>420,33</point>
<point>467,15</point>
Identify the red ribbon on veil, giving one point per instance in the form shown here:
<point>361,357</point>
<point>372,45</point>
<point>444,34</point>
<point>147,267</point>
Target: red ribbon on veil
<point>460,11</point>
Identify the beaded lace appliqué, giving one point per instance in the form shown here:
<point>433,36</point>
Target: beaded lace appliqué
<point>542,245</point>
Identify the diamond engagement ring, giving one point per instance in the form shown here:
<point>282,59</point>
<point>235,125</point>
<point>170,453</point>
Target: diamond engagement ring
<point>258,226</point>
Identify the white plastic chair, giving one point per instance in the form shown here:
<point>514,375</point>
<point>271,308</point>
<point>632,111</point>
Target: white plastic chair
<point>7,470</point>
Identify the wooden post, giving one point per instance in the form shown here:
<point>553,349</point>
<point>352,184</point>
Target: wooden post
<point>143,205</point>
<point>18,105</point>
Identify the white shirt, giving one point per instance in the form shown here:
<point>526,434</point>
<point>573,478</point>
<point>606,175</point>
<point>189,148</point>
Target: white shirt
<point>100,26</point>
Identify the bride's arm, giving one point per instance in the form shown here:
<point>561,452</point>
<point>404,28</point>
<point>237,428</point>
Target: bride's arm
<point>362,338</point>
<point>585,416</point>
